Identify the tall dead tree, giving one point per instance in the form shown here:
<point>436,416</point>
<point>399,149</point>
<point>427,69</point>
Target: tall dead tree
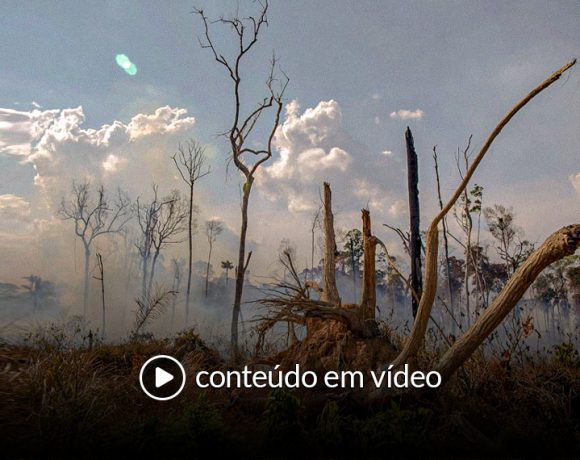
<point>415,338</point>
<point>244,155</point>
<point>414,217</point>
<point>160,221</point>
<point>445,238</point>
<point>189,161</point>
<point>94,215</point>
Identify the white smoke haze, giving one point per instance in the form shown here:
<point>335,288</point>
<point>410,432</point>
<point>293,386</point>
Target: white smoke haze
<point>312,145</point>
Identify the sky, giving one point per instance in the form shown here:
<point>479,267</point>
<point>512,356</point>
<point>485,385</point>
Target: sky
<point>360,72</point>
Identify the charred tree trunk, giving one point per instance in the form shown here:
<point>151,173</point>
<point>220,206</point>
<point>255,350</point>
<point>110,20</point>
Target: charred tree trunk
<point>560,244</point>
<point>414,215</point>
<point>369,294</point>
<point>329,289</point>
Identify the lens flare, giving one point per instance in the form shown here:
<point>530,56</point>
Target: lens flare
<point>125,63</point>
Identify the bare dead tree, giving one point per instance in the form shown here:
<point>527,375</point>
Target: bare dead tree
<point>465,222</point>
<point>414,216</point>
<point>190,163</point>
<point>415,339</point>
<point>246,32</point>
<point>161,221</point>
<point>445,237</point>
<point>213,228</point>
<point>94,215</point>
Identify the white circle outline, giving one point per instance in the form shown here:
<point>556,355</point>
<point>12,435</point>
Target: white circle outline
<point>153,359</point>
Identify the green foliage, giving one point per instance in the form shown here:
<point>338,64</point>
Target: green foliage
<point>476,198</point>
<point>393,428</point>
<point>566,354</point>
<point>282,417</point>
<point>330,426</point>
<point>353,250</point>
<point>64,335</point>
<point>197,428</point>
<point>559,280</point>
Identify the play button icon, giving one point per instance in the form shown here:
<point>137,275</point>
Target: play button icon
<point>162,377</point>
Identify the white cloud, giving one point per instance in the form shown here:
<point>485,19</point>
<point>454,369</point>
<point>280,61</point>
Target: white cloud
<point>314,147</point>
<point>405,114</point>
<point>14,207</point>
<point>61,149</point>
<point>575,180</point>
<point>397,208</point>
<point>112,163</point>
<point>165,120</point>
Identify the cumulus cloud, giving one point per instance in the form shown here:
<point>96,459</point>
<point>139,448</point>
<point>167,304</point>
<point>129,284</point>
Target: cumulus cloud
<point>61,149</point>
<point>164,120</point>
<point>314,147</point>
<point>575,180</point>
<point>405,114</point>
<point>14,207</point>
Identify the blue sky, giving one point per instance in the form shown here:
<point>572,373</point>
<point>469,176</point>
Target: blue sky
<point>456,66</point>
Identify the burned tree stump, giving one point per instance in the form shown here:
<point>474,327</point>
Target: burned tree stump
<point>338,336</point>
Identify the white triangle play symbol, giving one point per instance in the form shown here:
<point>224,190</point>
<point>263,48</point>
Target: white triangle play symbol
<point>162,377</point>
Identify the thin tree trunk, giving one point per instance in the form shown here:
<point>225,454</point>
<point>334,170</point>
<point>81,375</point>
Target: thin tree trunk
<point>369,294</point>
<point>241,268</point>
<point>152,273</point>
<point>207,270</point>
<point>414,215</point>
<point>560,244</point>
<point>353,266</point>
<point>86,281</point>
<point>145,271</point>
<point>445,241</point>
<point>102,280</point>
<point>329,290</point>
<point>176,286</point>
<point>190,249</point>
<point>312,255</point>
<point>468,258</point>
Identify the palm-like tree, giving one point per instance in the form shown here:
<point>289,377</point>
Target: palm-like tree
<point>227,266</point>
